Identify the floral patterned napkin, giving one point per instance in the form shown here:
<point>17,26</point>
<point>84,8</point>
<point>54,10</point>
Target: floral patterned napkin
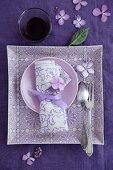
<point>53,119</point>
<point>45,71</point>
<point>24,124</point>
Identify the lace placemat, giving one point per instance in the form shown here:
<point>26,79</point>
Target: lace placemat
<point>24,124</point>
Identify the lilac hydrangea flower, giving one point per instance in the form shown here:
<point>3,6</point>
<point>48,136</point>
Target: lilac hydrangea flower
<point>28,158</point>
<point>79,4</point>
<point>78,22</point>
<point>86,69</point>
<point>61,16</point>
<point>103,12</point>
<point>57,83</point>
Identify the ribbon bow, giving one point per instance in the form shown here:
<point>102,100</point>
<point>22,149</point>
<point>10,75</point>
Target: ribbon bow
<point>57,99</point>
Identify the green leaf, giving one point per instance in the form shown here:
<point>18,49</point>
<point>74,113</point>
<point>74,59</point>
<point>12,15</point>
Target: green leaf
<point>79,37</point>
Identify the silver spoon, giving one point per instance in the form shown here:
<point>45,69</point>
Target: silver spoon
<point>82,97</point>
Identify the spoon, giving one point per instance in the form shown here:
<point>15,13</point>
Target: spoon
<point>82,97</point>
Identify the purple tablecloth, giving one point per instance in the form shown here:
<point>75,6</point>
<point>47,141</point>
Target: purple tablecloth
<point>57,157</point>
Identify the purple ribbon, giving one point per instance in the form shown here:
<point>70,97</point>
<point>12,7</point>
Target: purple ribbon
<point>57,99</point>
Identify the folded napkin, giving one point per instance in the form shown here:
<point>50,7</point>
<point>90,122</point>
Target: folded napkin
<point>51,79</point>
<point>45,71</point>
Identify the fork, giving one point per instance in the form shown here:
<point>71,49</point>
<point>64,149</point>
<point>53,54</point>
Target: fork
<point>89,105</point>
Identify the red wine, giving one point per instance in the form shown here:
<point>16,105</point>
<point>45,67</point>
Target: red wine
<point>36,29</point>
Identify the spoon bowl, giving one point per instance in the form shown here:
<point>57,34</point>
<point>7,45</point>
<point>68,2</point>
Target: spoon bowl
<point>82,97</point>
<point>83,93</point>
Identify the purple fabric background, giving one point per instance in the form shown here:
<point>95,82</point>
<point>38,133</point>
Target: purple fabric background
<point>57,157</point>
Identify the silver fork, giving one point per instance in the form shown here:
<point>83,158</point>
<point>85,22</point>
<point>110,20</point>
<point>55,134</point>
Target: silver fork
<point>89,105</point>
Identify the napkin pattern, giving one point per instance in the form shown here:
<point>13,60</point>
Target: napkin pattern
<point>45,71</point>
<point>24,124</point>
<point>53,119</point>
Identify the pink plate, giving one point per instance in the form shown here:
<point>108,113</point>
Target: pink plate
<point>28,84</point>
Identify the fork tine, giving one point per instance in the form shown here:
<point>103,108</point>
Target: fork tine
<point>87,86</point>
<point>91,88</point>
<point>92,92</point>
